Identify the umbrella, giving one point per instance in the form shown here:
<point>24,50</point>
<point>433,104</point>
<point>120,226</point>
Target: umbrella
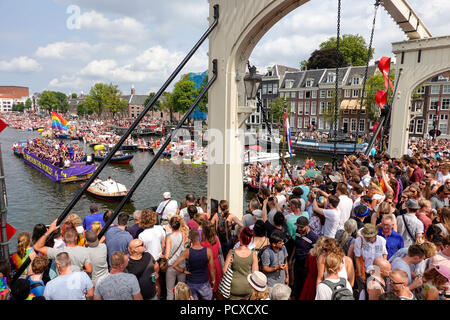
<point>311,173</point>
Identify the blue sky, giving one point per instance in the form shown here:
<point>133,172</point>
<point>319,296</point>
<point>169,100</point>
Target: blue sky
<point>140,42</point>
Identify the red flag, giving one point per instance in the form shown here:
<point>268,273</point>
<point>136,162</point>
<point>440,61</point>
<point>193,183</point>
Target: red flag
<point>384,65</point>
<point>375,129</point>
<point>3,125</point>
<point>10,231</point>
<point>381,98</point>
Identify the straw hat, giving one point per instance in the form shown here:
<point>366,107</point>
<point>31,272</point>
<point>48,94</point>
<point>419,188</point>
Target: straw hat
<point>257,280</point>
<point>369,230</point>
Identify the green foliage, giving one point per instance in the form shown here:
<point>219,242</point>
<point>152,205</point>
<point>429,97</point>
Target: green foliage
<point>28,104</point>
<point>18,107</point>
<point>183,95</point>
<point>74,95</point>
<point>203,104</point>
<point>62,105</point>
<point>103,96</point>
<point>82,109</point>
<point>374,84</point>
<point>353,48</point>
<point>48,100</point>
<point>157,104</point>
<point>325,58</point>
<point>277,108</point>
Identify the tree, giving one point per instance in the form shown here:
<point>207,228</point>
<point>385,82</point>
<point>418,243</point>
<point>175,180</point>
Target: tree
<point>28,104</point>
<point>48,100</point>
<point>97,98</point>
<point>165,105</point>
<point>74,95</point>
<point>203,103</point>
<point>277,108</point>
<point>113,101</point>
<point>62,105</point>
<point>183,94</point>
<point>83,109</point>
<point>353,48</point>
<point>157,104</point>
<point>374,84</point>
<point>325,58</point>
<point>18,107</point>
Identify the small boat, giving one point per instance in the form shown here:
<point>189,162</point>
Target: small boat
<point>18,148</point>
<point>122,158</point>
<point>132,146</point>
<point>108,190</point>
<point>143,147</point>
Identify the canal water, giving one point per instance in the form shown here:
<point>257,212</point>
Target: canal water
<point>33,198</point>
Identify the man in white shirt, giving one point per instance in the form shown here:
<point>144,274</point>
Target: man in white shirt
<point>357,193</point>
<point>331,213</point>
<point>167,206</point>
<point>408,225</point>
<point>190,201</point>
<point>280,196</point>
<point>345,204</point>
<point>365,176</point>
<point>153,235</point>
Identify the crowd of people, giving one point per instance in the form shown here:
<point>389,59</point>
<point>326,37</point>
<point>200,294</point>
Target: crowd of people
<point>369,228</point>
<point>56,152</point>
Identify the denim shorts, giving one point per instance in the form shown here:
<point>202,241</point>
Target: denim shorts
<point>201,291</point>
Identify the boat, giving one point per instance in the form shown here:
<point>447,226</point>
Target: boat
<point>119,157</point>
<point>108,190</point>
<point>317,147</point>
<point>252,156</point>
<point>18,147</point>
<point>144,147</point>
<point>131,146</point>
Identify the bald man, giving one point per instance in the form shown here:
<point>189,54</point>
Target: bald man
<point>399,285</point>
<point>377,282</point>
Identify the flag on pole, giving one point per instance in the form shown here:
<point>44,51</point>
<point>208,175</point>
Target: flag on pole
<point>58,122</point>
<point>3,125</point>
<point>288,135</point>
<point>384,65</point>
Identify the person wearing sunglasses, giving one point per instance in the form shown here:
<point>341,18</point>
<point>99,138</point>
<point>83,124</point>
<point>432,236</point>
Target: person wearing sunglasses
<point>398,283</point>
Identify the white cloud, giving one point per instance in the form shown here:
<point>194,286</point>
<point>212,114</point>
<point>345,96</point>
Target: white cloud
<point>67,50</point>
<point>69,82</point>
<point>20,64</point>
<point>125,28</point>
<point>109,70</point>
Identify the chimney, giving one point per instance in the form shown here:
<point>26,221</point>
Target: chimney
<point>132,89</point>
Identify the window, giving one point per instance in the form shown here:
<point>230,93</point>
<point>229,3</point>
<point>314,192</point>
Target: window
<point>353,124</point>
<point>418,107</point>
<point>313,108</point>
<point>327,125</point>
<point>345,111</point>
<point>411,125</point>
<point>355,81</point>
<point>293,106</point>
<point>331,77</point>
<point>321,107</point>
<point>309,82</point>
<point>264,90</point>
<point>433,103</point>
<point>291,122</point>
<point>446,89</point>
<point>435,89</point>
<point>281,94</point>
<point>355,93</point>
<point>300,94</point>
<point>300,108</point>
<point>444,117</point>
<point>307,94</point>
<point>289,84</point>
<point>299,122</point>
<point>354,111</point>
<point>293,95</point>
<point>347,93</point>
<point>275,88</point>
<point>322,93</point>
<point>314,94</point>
<point>363,111</point>
<point>306,108</point>
<point>313,121</point>
<point>269,88</point>
<point>419,126</point>
<point>329,93</point>
<point>345,124</point>
<point>445,104</point>
<point>320,123</point>
<point>443,128</point>
<point>362,125</point>
<point>305,122</point>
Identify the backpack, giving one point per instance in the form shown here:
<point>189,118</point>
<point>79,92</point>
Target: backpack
<point>339,290</point>
<point>272,256</point>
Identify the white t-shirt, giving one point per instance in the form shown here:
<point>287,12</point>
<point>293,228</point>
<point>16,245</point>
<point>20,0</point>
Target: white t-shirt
<point>281,200</point>
<point>441,178</point>
<point>331,224</point>
<point>151,238</point>
<point>185,215</point>
<point>324,292</point>
<point>171,207</point>
<point>345,207</point>
<point>415,226</point>
<point>370,251</point>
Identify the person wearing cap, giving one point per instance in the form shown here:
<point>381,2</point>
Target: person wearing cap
<point>394,240</point>
<point>360,213</point>
<point>305,239</point>
<point>166,206</point>
<point>435,280</point>
<point>98,254</point>
<point>258,284</point>
<point>442,258</point>
<point>92,217</point>
<point>367,248</point>
<point>408,225</point>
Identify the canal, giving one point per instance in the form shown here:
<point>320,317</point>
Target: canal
<point>33,198</point>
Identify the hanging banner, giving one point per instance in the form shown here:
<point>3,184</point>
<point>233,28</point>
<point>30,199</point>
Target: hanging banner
<point>384,65</point>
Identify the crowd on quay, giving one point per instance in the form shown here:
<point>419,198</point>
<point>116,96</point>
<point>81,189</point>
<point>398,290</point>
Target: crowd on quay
<point>56,152</point>
<point>371,228</point>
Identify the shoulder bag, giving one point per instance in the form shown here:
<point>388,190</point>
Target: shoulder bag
<point>407,228</point>
<point>225,283</point>
<point>164,263</point>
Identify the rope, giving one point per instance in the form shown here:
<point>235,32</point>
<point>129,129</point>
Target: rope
<point>377,4</point>
<point>336,109</point>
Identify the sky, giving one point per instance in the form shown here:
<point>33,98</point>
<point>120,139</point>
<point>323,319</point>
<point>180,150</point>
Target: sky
<point>69,45</point>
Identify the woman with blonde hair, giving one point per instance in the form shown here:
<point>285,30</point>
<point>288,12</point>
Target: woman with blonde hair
<point>182,291</point>
<point>76,222</point>
<point>24,249</point>
<point>258,284</point>
<point>383,209</point>
<point>333,267</point>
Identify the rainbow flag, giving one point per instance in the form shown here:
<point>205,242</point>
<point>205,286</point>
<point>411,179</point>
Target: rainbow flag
<point>288,135</point>
<point>58,122</point>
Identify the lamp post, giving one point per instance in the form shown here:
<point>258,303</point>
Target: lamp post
<point>252,80</point>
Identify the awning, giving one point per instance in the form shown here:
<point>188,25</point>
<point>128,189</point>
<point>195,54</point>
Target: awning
<point>344,104</point>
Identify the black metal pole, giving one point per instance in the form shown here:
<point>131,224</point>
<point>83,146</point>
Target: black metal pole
<point>160,151</point>
<point>127,133</point>
<point>3,210</point>
<point>374,137</point>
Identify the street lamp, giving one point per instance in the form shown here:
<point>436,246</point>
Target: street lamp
<point>251,82</point>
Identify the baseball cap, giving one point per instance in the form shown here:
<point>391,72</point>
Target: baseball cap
<point>302,222</point>
<point>412,204</point>
<point>444,270</point>
<point>257,213</point>
<point>361,210</point>
<point>166,195</point>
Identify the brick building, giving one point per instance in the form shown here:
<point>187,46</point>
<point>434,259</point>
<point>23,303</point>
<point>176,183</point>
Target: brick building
<point>11,95</point>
